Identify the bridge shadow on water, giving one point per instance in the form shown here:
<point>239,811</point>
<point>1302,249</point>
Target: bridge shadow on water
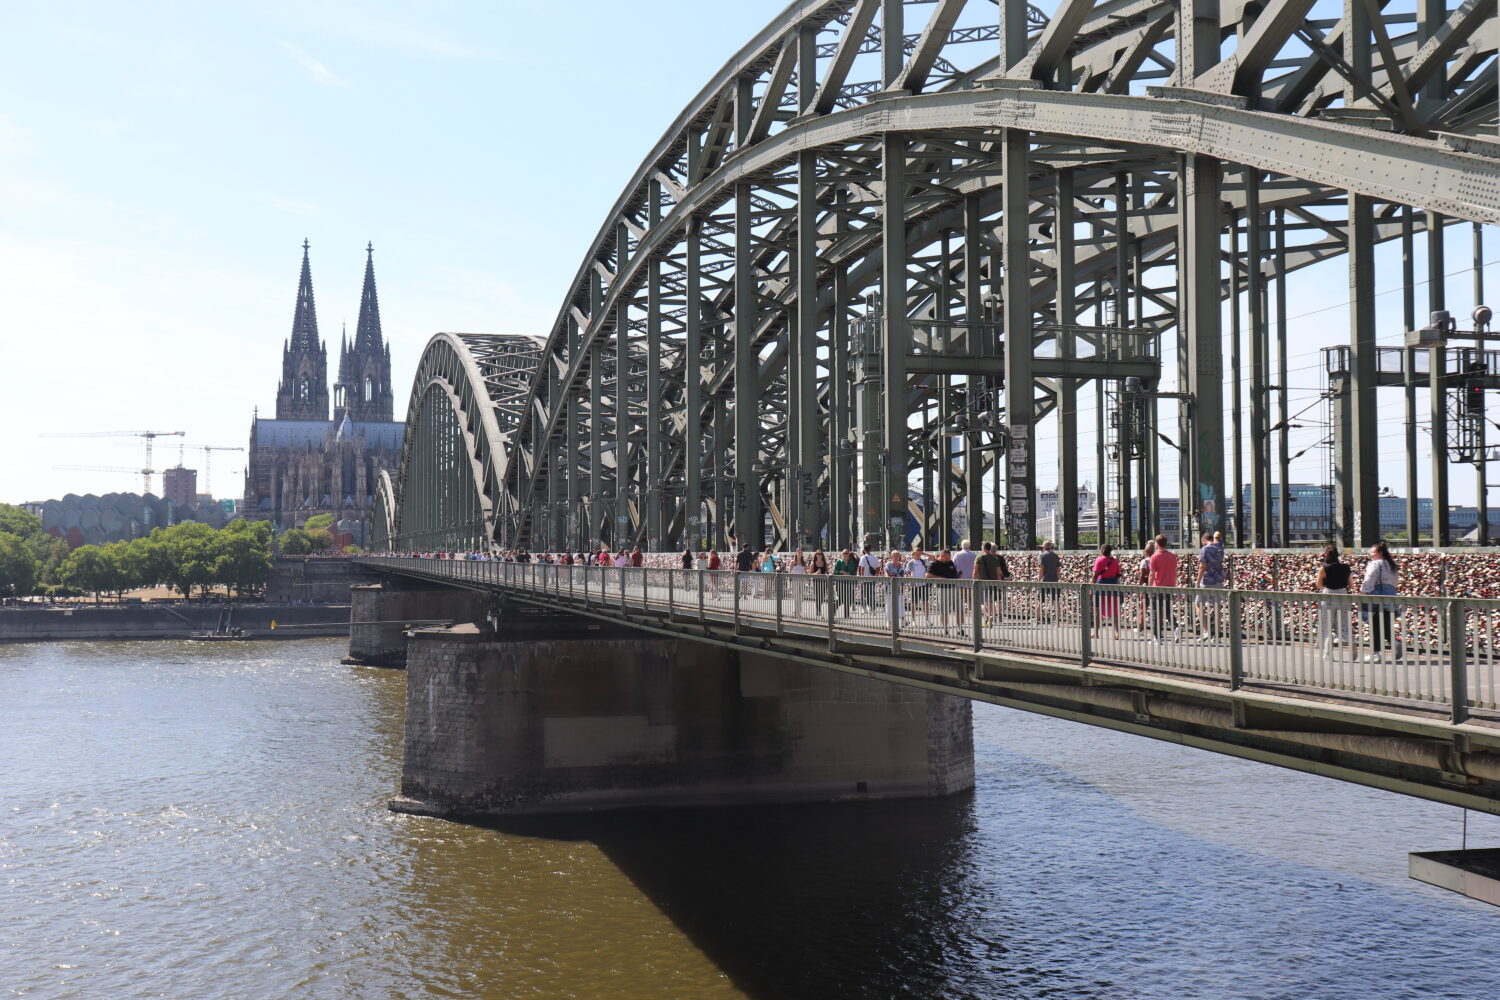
<point>848,900</point>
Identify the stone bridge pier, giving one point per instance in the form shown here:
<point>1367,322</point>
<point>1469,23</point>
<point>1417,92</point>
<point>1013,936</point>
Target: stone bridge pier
<point>548,713</point>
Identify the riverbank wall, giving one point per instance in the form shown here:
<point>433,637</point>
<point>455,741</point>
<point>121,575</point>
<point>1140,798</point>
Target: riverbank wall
<point>169,621</point>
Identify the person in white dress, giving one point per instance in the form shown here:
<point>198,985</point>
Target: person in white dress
<point>798,570</point>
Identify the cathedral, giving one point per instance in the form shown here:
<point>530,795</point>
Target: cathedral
<point>309,460</point>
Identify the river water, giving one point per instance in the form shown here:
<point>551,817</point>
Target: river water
<point>208,822</point>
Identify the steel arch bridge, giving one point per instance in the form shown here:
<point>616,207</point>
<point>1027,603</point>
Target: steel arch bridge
<point>888,240</point>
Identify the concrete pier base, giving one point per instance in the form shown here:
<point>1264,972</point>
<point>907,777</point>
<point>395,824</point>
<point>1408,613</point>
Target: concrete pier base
<point>380,615</point>
<point>561,720</point>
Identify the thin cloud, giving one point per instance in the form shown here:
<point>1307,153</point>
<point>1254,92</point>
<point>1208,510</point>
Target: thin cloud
<point>315,69</point>
<point>288,205</point>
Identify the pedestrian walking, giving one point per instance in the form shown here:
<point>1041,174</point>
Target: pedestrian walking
<point>1106,572</point>
<point>818,569</point>
<point>1382,576</point>
<point>916,568</point>
<point>1333,616</point>
<point>989,569</point>
<point>869,567</point>
<point>745,562</point>
<point>944,572</point>
<point>1049,567</point>
<point>1143,579</point>
<point>1211,576</point>
<point>798,573</point>
<point>767,566</point>
<point>1163,571</point>
<point>963,561</point>
<point>844,574</point>
<point>895,568</point>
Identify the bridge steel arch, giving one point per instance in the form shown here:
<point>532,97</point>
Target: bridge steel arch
<point>448,494</point>
<point>888,239</point>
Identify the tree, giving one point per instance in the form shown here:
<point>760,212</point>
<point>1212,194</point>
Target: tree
<point>15,521</point>
<point>93,568</point>
<point>146,562</point>
<point>321,539</point>
<point>190,550</point>
<point>324,521</point>
<point>50,553</point>
<point>244,557</point>
<point>125,566</point>
<point>18,568</point>
<point>294,542</point>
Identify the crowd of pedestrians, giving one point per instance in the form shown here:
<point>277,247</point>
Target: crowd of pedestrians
<point>853,586</point>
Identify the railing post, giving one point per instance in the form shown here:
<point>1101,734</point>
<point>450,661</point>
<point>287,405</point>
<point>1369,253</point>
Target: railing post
<point>833,595</point>
<point>735,582</point>
<point>671,594</point>
<point>1086,625</point>
<point>1236,643</point>
<point>976,615</point>
<point>776,581</point>
<point>701,575</point>
<point>893,595</point>
<point>1458,653</point>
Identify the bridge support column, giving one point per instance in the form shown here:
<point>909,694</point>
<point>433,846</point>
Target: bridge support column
<point>381,614</point>
<point>538,720</point>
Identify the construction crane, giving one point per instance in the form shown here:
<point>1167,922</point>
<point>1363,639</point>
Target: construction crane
<point>145,473</point>
<point>208,450</point>
<point>150,437</point>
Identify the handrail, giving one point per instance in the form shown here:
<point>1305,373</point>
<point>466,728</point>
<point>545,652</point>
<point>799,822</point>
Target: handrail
<point>1405,650</point>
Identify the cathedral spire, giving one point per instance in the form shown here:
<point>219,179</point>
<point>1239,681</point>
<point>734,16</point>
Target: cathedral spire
<point>365,364</point>
<point>305,318</point>
<point>367,335</point>
<point>303,392</point>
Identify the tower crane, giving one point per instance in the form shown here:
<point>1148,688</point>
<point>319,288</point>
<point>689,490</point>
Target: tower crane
<point>147,471</point>
<point>208,450</point>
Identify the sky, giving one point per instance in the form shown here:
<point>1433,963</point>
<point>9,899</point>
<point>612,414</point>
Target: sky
<point>161,163</point>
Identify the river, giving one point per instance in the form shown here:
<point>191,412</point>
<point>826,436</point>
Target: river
<point>209,822</point>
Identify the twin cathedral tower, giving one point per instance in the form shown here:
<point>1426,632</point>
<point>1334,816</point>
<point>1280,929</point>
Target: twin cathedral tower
<point>309,460</point>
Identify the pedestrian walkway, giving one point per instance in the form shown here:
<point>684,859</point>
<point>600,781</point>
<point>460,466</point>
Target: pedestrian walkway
<point>1301,643</point>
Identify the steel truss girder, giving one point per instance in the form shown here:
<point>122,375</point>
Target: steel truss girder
<point>749,322</point>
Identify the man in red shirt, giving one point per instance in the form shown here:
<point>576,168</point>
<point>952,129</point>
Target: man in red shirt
<point>1163,574</point>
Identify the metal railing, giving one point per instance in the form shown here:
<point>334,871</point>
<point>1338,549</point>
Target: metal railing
<point>1410,651</point>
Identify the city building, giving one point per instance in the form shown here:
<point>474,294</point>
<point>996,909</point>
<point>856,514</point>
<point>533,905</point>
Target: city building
<point>309,461</point>
<point>180,485</point>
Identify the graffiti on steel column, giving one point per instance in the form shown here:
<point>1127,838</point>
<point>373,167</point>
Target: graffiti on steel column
<point>1208,508</point>
<point>1018,515</point>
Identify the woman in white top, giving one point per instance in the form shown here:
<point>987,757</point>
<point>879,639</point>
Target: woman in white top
<point>798,568</point>
<point>916,568</point>
<point>1381,577</point>
<point>702,561</point>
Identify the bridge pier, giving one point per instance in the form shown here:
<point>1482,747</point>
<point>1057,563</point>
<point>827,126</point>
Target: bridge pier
<point>381,614</point>
<point>558,714</point>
